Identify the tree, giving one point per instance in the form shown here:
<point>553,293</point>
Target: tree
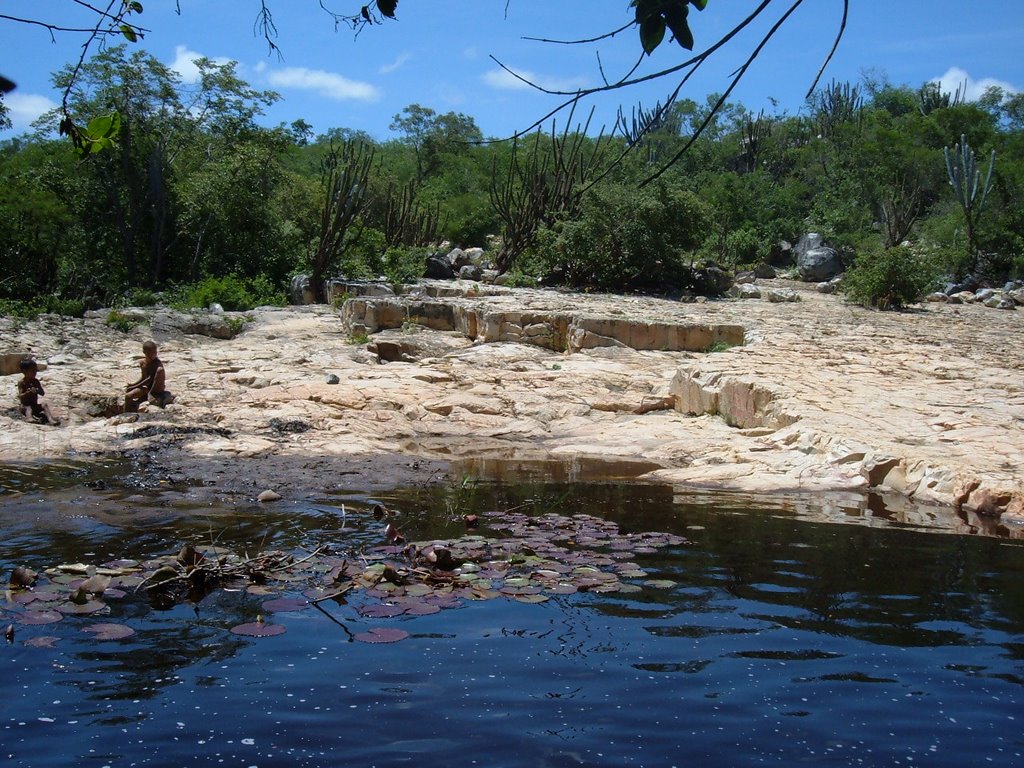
<point>965,179</point>
<point>651,18</point>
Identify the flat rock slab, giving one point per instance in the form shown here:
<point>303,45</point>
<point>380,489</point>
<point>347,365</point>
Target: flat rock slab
<point>822,397</point>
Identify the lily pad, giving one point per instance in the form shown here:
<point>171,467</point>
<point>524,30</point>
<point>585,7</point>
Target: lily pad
<point>285,604</point>
<point>258,629</point>
<point>83,609</point>
<point>109,631</point>
<point>46,641</point>
<point>380,610</point>
<point>421,609</point>
<point>39,617</point>
<point>381,635</point>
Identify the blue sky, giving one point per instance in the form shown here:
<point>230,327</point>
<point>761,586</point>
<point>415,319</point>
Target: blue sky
<point>438,54</point>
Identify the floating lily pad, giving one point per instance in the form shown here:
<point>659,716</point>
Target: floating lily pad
<point>39,617</point>
<point>531,598</point>
<point>380,610</point>
<point>258,629</point>
<point>83,609</point>
<point>109,631</point>
<point>46,641</point>
<point>285,604</point>
<point>421,609</point>
<point>381,635</point>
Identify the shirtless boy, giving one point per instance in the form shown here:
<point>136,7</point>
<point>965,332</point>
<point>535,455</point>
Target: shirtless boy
<point>30,389</point>
<point>151,385</point>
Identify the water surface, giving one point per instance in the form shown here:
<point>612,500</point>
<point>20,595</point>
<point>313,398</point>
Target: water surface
<point>781,641</point>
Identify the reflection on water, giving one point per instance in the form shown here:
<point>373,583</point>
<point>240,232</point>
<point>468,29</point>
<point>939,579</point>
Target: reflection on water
<point>780,640</point>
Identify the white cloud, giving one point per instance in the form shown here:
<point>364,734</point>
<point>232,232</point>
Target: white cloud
<point>397,64</point>
<point>25,108</point>
<point>506,81</point>
<point>973,89</point>
<point>327,84</point>
<point>184,64</point>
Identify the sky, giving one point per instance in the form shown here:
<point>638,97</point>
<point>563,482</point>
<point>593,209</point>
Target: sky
<point>444,54</point>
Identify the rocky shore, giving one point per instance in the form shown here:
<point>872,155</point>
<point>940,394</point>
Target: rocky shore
<point>812,401</point>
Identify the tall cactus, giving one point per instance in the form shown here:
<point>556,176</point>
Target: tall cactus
<point>965,178</point>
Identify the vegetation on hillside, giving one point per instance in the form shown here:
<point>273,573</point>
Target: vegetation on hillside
<point>195,198</point>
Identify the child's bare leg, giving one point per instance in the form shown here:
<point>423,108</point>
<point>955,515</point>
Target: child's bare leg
<point>132,400</point>
<point>50,418</point>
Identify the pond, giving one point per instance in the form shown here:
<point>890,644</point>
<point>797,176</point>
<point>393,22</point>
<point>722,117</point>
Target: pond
<point>736,636</point>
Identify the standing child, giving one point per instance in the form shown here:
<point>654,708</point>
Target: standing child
<point>30,389</point>
<point>151,385</point>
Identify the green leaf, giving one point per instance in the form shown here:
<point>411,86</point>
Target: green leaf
<point>701,4</point>
<point>676,17</point>
<point>103,127</point>
<point>129,33</point>
<point>387,7</point>
<point>135,7</point>
<point>652,32</point>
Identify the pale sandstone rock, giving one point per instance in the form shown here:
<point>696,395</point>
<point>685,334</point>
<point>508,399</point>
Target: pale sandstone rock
<point>825,397</point>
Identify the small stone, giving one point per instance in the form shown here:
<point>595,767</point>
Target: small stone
<point>332,378</point>
<point>269,495</point>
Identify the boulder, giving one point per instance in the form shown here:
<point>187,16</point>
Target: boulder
<point>765,272</point>
<point>745,291</point>
<point>470,272</point>
<point>816,261</point>
<point>779,295</point>
<point>439,268</point>
<point>938,297</point>
<point>745,276</point>
<point>782,254</point>
<point>301,290</point>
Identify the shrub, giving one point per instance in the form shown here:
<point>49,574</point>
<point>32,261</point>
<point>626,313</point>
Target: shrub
<point>233,293</point>
<point>888,279</point>
<point>404,264</point>
<point>120,321</point>
<point>626,238</point>
<point>31,309</point>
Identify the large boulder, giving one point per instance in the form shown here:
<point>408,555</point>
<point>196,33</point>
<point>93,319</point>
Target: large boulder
<point>815,261</point>
<point>439,267</point>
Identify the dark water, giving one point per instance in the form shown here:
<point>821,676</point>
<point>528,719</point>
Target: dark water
<point>784,642</point>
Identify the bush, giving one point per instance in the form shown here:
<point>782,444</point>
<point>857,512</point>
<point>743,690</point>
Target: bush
<point>626,238</point>
<point>31,309</point>
<point>404,264</point>
<point>889,278</point>
<point>233,293</point>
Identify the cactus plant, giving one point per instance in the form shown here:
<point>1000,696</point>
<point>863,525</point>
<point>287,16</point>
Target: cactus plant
<point>965,178</point>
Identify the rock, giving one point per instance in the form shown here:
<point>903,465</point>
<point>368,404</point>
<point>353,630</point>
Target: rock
<point>827,286</point>
<point>954,299</point>
<point>778,295</point>
<point>216,309</point>
<point>332,378</point>
<point>818,264</point>
<point>268,495</point>
<point>475,256</point>
<point>1006,303</point>
<point>782,254</point>
<point>1017,294</point>
<point>301,290</point>
<point>439,268</point>
<point>712,280</point>
<point>746,276</point>
<point>765,272</point>
<point>470,272</point>
<point>984,294</point>
<point>489,276</point>
<point>745,291</point>
<point>938,297</point>
<point>969,284</point>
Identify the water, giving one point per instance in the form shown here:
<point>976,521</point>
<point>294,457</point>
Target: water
<point>782,642</point>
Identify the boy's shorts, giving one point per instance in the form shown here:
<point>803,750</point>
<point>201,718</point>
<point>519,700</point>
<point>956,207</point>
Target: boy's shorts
<point>165,398</point>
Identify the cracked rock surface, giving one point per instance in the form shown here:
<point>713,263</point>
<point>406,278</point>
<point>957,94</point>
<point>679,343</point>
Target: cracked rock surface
<point>822,398</point>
